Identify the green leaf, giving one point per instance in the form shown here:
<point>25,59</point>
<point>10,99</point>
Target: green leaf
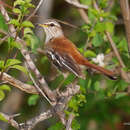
<point>87,2</point>
<point>27,24</point>
<point>109,26</point>
<point>32,100</point>
<point>14,22</point>
<point>97,40</point>
<point>100,27</point>
<point>15,44</point>
<point>123,46</point>
<point>19,67</point>
<point>28,1</point>
<point>2,118</point>
<point>57,126</point>
<point>17,11</point>
<point>11,62</point>
<point>89,53</point>
<point>2,95</point>
<point>120,95</point>
<point>19,2</point>
<point>97,85</point>
<point>34,43</point>
<point>5,87</point>
<point>1,64</point>
<point>3,24</point>
<point>73,104</point>
<point>75,125</point>
<point>27,31</point>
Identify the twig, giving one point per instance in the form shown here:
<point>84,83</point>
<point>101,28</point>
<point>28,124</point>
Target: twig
<point>3,39</point>
<point>83,14</point>
<point>115,49</point>
<point>37,87</point>
<point>69,122</point>
<point>32,122</point>
<point>36,9</point>
<point>124,4</point>
<point>77,4</point>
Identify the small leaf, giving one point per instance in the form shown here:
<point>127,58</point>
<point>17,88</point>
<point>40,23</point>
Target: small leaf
<point>19,2</point>
<point>33,100</point>
<point>100,27</point>
<point>3,24</point>
<point>73,104</point>
<point>89,53</point>
<point>19,67</point>
<point>27,31</point>
<point>97,85</point>
<point>5,87</point>
<point>2,118</point>
<point>14,22</point>
<point>75,125</point>
<point>1,64</point>
<point>27,24</point>
<point>11,62</point>
<point>109,26</point>
<point>15,44</point>
<point>17,11</point>
<point>57,126</point>
<point>2,95</point>
<point>120,95</point>
<point>97,40</point>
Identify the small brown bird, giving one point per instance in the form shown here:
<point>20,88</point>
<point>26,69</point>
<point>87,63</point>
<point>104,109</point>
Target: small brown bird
<point>64,54</point>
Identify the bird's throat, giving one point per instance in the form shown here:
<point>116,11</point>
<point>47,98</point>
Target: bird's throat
<point>52,33</point>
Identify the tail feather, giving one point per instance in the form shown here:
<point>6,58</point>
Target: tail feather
<point>106,72</point>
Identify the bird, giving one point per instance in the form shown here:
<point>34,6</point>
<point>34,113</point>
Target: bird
<point>64,54</point>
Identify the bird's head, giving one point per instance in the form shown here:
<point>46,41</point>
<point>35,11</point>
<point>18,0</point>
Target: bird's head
<point>52,29</point>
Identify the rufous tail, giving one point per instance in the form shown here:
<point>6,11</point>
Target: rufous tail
<point>106,72</point>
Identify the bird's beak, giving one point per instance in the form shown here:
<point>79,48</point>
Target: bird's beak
<point>43,25</point>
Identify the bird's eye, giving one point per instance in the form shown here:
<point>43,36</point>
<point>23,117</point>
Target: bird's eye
<point>52,25</point>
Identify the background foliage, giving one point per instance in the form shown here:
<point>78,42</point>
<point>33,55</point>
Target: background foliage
<point>102,103</point>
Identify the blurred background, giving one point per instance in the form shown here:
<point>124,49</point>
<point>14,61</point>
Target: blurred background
<point>106,105</point>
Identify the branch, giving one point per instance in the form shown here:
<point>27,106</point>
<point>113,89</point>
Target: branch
<point>28,125</point>
<point>69,122</point>
<point>124,4</point>
<point>18,84</point>
<point>10,119</point>
<point>25,53</point>
<point>58,109</point>
<point>77,4</point>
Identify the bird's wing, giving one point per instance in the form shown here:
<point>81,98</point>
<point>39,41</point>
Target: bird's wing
<point>63,61</point>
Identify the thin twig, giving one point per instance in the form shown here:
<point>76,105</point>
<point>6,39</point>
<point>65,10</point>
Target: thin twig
<point>3,39</point>
<point>115,49</point>
<point>37,87</point>
<point>36,9</point>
